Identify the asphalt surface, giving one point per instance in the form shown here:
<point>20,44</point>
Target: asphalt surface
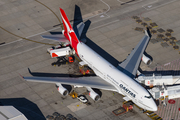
<point>110,33</point>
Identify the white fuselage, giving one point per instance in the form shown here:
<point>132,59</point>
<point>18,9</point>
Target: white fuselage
<point>123,83</point>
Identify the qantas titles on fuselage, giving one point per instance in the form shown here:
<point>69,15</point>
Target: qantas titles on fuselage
<point>127,90</point>
<point>122,87</point>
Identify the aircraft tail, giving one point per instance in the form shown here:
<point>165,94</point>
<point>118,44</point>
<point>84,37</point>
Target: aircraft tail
<point>68,28</point>
<point>66,23</point>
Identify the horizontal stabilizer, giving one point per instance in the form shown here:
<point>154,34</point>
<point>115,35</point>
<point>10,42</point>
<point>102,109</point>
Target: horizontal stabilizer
<point>60,38</point>
<point>80,28</point>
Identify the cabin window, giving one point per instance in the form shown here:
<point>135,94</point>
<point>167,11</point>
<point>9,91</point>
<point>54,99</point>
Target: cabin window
<point>147,97</point>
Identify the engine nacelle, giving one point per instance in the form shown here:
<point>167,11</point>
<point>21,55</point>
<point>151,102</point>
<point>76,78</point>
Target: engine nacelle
<point>93,94</point>
<point>146,60</point>
<point>62,90</point>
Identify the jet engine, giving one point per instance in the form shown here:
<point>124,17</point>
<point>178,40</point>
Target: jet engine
<point>93,94</point>
<point>146,60</point>
<point>62,90</point>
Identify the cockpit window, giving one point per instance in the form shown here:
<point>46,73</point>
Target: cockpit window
<point>147,97</point>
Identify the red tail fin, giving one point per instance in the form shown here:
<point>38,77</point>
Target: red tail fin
<point>66,23</point>
<point>68,30</point>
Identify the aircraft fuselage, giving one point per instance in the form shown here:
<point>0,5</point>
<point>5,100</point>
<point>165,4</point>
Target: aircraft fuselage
<point>123,83</point>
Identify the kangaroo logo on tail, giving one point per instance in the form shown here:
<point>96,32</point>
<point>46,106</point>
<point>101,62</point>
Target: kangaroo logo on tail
<point>68,30</point>
<point>66,23</point>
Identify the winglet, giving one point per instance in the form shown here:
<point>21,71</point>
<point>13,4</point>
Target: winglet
<point>148,33</point>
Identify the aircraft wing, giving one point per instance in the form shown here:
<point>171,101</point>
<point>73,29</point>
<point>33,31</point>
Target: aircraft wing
<point>60,38</point>
<point>93,81</point>
<point>131,64</point>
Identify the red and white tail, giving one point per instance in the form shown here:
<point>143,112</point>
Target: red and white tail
<point>68,30</point>
<point>66,23</point>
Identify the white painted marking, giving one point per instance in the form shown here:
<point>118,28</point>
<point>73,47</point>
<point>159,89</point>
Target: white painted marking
<point>30,36</point>
<point>60,27</point>
<point>55,29</point>
<point>104,25</point>
<point>76,106</point>
<point>102,16</point>
<point>167,64</point>
<point>44,45</point>
<point>144,6</point>
<point>107,5</point>
<point>120,1</point>
<point>100,13</point>
<point>21,52</point>
<point>149,6</point>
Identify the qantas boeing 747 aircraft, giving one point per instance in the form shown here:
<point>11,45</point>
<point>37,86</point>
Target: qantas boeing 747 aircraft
<point>119,78</point>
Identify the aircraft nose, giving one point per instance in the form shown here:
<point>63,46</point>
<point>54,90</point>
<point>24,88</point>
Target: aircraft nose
<point>154,106</point>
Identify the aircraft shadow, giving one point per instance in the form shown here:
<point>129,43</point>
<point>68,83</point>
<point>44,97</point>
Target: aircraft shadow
<point>60,61</point>
<point>55,33</point>
<point>28,108</point>
<point>95,47</point>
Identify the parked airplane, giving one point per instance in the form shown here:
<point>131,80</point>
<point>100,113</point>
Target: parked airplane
<point>120,79</point>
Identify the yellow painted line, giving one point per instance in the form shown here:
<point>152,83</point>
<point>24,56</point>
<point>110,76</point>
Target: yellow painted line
<point>156,116</point>
<point>26,38</point>
<point>152,115</point>
<point>77,59</point>
<point>52,12</point>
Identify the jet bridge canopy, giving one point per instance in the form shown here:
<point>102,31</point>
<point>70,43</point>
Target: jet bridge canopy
<point>157,80</point>
<point>172,92</point>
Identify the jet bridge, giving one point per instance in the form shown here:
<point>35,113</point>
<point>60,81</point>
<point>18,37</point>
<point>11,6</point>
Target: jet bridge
<point>171,92</point>
<point>158,80</point>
